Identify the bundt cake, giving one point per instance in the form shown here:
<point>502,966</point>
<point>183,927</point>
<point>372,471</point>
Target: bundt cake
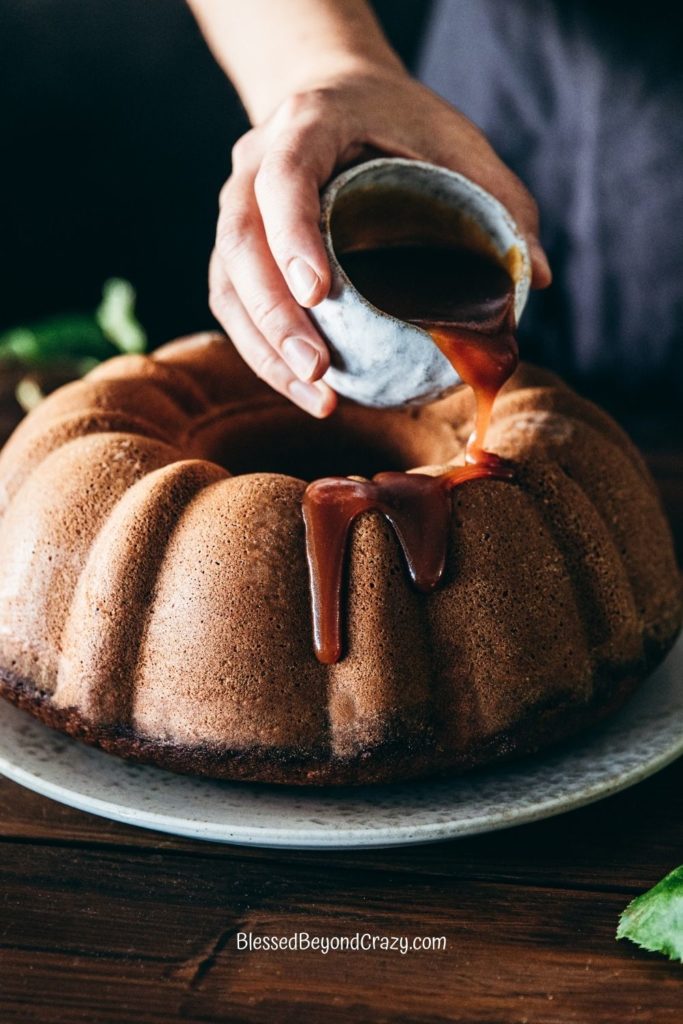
<point>154,593</point>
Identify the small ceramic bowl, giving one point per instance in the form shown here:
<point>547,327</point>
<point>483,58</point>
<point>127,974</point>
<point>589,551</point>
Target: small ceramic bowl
<point>378,360</point>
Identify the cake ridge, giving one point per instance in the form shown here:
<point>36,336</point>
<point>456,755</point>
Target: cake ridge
<point>178,384</point>
<point>115,586</point>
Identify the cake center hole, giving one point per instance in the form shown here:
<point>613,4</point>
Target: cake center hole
<point>353,442</point>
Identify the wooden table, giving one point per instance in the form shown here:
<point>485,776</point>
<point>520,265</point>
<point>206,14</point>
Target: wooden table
<point>104,923</point>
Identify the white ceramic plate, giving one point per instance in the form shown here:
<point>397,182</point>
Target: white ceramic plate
<point>640,740</point>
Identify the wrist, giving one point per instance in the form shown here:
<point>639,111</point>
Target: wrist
<point>332,69</point>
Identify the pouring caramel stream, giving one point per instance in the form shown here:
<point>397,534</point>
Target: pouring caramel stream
<point>466,303</point>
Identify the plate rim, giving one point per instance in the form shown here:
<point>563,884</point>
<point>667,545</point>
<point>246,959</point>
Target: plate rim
<point>359,839</point>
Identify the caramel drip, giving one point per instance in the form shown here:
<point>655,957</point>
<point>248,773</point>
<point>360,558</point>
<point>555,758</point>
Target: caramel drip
<point>485,361</point>
<point>483,350</point>
<point>408,501</point>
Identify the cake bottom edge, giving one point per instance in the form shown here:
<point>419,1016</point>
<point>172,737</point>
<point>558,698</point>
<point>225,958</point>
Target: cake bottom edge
<point>402,756</point>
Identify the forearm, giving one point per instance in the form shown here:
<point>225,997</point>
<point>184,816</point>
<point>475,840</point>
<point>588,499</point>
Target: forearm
<point>273,48</point>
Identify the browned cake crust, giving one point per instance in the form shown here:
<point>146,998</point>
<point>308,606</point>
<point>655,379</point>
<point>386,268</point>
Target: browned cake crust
<point>156,604</point>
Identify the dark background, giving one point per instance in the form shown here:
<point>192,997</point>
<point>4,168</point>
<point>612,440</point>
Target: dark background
<point>116,129</point>
<point>116,132</point>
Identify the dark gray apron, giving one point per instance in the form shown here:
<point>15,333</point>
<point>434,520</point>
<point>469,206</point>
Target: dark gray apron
<point>585,102</point>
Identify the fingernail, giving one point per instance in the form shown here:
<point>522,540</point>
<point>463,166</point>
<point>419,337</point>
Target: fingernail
<point>301,356</point>
<point>302,279</point>
<point>308,396</point>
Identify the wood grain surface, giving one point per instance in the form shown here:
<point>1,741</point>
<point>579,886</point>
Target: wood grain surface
<point>105,924</point>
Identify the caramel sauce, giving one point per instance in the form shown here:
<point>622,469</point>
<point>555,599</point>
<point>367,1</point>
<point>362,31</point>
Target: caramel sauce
<point>466,302</point>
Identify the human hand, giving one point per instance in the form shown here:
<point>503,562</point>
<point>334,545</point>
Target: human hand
<point>269,260</point>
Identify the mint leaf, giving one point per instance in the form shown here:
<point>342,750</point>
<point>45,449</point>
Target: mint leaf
<point>55,339</point>
<point>80,339</point>
<point>116,316</point>
<point>654,920</point>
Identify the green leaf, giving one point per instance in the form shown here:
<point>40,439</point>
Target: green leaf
<point>116,316</point>
<point>654,920</point>
<point>78,339</point>
<point>55,339</point>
